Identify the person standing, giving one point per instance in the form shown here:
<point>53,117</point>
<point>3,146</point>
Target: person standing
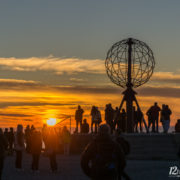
<point>28,138</point>
<point>6,135</point>
<point>66,139</point>
<point>19,146</point>
<point>96,118</point>
<point>36,147</point>
<point>117,121</point>
<point>78,117</point>
<point>139,120</point>
<point>150,120</point>
<point>52,148</point>
<point>109,116</point>
<point>11,140</point>
<point>3,147</point>
<point>85,127</point>
<point>155,116</point>
<point>165,118</point>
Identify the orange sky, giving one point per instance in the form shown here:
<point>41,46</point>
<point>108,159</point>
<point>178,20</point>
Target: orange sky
<point>36,106</point>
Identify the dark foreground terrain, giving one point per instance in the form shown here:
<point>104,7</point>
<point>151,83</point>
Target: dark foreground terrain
<point>69,168</point>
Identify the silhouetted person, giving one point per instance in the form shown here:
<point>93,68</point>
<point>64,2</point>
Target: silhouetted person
<point>36,147</point>
<point>45,135</point>
<point>139,117</point>
<point>11,140</point>
<point>6,135</point>
<point>125,147</point>
<point>3,147</point>
<point>165,117</point>
<point>52,148</point>
<point>96,118</point>
<point>150,120</point>
<point>155,116</point>
<point>85,127</point>
<point>109,116</point>
<point>19,146</point>
<point>103,158</point>
<point>117,121</point>
<point>66,139</point>
<point>79,117</point>
<point>28,138</point>
<point>177,126</point>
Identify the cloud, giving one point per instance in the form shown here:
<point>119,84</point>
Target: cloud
<point>57,65</point>
<point>6,104</point>
<point>77,80</point>
<point>15,115</point>
<point>17,81</point>
<point>166,77</point>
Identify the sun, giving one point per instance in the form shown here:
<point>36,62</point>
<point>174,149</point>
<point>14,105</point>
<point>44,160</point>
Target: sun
<point>51,121</point>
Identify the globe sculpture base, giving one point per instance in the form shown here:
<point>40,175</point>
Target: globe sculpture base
<point>128,98</point>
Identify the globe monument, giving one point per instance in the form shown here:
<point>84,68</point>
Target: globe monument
<point>129,64</point>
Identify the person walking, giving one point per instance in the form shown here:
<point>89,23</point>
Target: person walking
<point>19,146</point>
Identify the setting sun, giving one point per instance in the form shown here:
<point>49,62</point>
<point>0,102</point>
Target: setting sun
<point>51,121</point>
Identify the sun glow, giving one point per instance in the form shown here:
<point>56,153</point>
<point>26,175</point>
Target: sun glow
<point>51,121</point>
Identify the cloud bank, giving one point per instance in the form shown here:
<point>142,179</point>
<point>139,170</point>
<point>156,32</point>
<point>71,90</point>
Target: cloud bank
<point>57,65</point>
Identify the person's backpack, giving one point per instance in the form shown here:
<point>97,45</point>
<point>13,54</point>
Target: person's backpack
<point>105,161</point>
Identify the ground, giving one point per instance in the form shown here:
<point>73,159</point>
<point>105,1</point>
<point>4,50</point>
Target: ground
<point>69,168</point>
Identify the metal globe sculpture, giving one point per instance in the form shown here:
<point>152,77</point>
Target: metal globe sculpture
<point>130,63</point>
<point>141,66</point>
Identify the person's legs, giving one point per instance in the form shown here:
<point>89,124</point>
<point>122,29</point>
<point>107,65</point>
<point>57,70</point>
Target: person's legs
<point>53,162</point>
<point>157,125</point>
<point>140,126</point>
<point>96,128</point>
<point>136,126</point>
<point>153,125</point>
<point>149,123</point>
<point>36,164</point>
<point>1,166</point>
<point>80,123</point>
<point>33,162</point>
<point>18,162</point>
<point>92,126</point>
<point>66,149</point>
<point>76,127</point>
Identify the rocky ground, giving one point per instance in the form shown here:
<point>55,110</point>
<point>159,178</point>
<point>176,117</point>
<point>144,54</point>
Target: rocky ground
<point>69,168</point>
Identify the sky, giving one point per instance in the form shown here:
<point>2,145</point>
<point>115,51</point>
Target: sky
<point>52,55</point>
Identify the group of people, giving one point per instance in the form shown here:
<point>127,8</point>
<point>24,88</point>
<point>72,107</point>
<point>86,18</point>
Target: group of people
<point>31,140</point>
<point>117,119</point>
<point>155,113</point>
<point>95,120</point>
